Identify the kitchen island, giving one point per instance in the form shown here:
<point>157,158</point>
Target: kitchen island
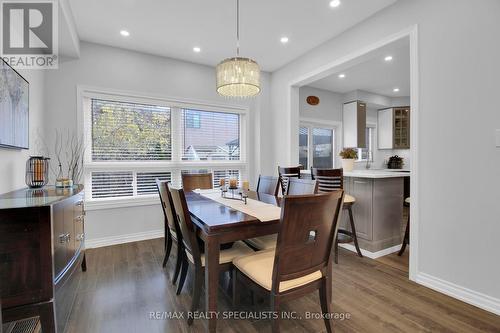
<point>378,211</point>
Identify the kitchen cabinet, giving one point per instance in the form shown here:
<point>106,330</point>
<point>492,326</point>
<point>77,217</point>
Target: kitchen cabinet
<point>394,128</point>
<point>354,124</point>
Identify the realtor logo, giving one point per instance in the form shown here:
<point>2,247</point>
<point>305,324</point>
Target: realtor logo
<point>29,34</point>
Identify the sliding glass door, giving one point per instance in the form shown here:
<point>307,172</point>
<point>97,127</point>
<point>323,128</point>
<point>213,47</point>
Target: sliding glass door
<point>316,146</point>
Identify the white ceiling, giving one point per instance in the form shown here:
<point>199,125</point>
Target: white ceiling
<point>172,28</point>
<point>375,75</point>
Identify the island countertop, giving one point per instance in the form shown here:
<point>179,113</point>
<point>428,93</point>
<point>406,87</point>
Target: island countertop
<point>373,173</point>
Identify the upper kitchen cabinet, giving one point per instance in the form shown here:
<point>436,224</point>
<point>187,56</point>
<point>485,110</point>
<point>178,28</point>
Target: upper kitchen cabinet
<point>354,124</point>
<point>394,128</point>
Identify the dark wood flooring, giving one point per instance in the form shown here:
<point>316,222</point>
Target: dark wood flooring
<point>125,283</point>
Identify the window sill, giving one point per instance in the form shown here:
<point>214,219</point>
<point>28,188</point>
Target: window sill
<point>126,202</point>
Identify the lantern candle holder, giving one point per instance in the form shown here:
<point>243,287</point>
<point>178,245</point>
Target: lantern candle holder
<point>37,171</point>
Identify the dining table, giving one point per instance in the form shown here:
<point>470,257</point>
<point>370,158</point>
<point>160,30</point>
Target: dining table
<point>222,220</point>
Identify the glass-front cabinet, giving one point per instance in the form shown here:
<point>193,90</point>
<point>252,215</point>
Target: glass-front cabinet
<point>394,128</point>
<point>402,128</point>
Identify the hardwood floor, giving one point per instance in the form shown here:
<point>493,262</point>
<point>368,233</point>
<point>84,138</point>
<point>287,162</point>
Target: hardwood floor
<point>125,283</point>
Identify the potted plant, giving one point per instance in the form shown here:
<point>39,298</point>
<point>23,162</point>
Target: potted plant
<point>348,156</point>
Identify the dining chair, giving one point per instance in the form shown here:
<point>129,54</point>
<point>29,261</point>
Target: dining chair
<point>193,251</point>
<point>172,231</point>
<point>295,187</point>
<point>406,238</point>
<point>301,186</point>
<point>193,181</point>
<point>332,180</point>
<point>285,173</point>
<point>301,262</point>
<point>268,185</point>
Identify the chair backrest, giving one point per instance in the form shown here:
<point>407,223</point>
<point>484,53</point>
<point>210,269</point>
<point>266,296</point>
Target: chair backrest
<point>186,225</point>
<point>285,173</point>
<point>302,186</point>
<point>192,181</point>
<point>308,227</point>
<point>328,179</point>
<point>166,204</point>
<point>268,185</point>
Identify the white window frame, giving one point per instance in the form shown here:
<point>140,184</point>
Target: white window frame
<point>310,124</point>
<point>372,146</point>
<point>175,165</point>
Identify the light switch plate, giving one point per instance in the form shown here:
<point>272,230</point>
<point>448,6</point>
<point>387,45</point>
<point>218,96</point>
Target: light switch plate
<point>497,136</point>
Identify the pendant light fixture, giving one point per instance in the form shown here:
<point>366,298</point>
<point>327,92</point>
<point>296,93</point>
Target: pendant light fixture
<point>237,76</point>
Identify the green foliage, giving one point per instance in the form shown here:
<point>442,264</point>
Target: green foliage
<point>123,131</point>
<point>349,153</point>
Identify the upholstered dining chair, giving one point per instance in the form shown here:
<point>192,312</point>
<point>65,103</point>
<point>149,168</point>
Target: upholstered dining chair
<point>172,231</point>
<point>298,186</point>
<point>268,185</point>
<point>193,251</point>
<point>406,238</point>
<point>285,173</point>
<point>192,181</point>
<point>295,187</point>
<point>301,262</point>
<point>332,180</point>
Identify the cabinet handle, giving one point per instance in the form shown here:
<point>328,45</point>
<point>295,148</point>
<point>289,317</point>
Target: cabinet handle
<point>79,203</point>
<point>62,238</point>
<point>79,218</point>
<point>68,238</point>
<point>80,237</point>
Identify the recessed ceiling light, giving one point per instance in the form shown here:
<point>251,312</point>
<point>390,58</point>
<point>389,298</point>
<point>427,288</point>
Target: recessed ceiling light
<point>284,39</point>
<point>388,58</point>
<point>395,89</point>
<point>196,49</point>
<point>334,3</point>
<point>341,76</point>
<point>124,33</point>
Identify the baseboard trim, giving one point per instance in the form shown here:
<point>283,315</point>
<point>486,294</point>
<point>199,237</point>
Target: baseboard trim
<point>122,239</point>
<point>466,295</point>
<point>372,255</point>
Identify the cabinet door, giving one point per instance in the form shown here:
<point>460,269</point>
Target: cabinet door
<point>60,237</point>
<point>385,129</point>
<point>362,190</point>
<point>79,219</point>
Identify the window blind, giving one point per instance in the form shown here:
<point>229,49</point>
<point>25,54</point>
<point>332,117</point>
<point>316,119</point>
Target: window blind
<point>130,131</point>
<point>146,181</point>
<point>112,184</point>
<point>208,135</point>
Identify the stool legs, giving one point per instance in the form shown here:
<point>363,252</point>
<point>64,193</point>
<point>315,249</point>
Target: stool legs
<point>406,239</point>
<point>353,230</point>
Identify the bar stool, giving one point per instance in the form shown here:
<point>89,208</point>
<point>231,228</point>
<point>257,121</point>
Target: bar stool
<point>330,180</point>
<point>406,238</point>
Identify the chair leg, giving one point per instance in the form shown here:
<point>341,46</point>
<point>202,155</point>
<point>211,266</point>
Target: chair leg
<point>236,293</point>
<point>182,279</point>
<point>325,299</point>
<point>178,263</point>
<point>168,248</point>
<point>406,237</point>
<point>275,307</point>
<point>198,284</point>
<point>353,230</point>
<point>336,258</point>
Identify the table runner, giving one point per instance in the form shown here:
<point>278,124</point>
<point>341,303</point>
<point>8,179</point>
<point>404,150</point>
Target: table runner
<point>261,210</point>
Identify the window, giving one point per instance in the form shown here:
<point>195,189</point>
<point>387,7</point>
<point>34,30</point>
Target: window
<point>367,153</point>
<point>134,141</point>
<point>217,139</point>
<point>316,144</point>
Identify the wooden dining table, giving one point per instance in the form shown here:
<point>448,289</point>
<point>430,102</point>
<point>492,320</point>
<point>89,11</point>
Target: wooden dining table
<point>219,224</point>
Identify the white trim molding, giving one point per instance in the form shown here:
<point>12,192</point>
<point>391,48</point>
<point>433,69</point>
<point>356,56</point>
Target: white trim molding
<point>122,239</point>
<point>466,295</point>
<point>372,255</point>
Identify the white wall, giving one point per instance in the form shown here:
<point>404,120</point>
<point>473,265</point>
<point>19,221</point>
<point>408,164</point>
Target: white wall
<point>13,161</point>
<point>118,69</point>
<point>457,118</point>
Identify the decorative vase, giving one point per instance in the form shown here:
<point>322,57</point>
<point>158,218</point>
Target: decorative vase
<point>347,164</point>
<point>37,171</point>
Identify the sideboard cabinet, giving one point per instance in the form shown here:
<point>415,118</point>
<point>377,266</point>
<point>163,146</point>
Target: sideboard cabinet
<point>42,248</point>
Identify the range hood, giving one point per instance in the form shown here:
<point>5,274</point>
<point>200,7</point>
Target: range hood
<point>354,124</point>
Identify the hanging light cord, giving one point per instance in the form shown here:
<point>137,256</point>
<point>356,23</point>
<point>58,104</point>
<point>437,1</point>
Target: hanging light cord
<point>237,28</point>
